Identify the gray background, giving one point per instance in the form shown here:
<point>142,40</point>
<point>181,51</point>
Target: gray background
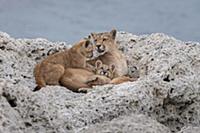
<point>70,20</point>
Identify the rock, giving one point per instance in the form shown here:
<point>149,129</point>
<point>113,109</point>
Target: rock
<point>127,124</point>
<point>165,98</point>
<point>190,129</point>
<point>10,120</point>
<point>18,57</point>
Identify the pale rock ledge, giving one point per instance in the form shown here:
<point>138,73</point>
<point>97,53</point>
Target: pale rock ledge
<point>166,97</point>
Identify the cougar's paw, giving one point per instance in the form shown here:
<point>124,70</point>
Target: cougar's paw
<point>92,79</point>
<point>133,79</point>
<point>84,90</point>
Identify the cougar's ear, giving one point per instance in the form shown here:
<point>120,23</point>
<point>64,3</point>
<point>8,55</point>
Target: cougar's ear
<point>113,33</point>
<point>112,68</point>
<point>89,37</point>
<point>98,63</point>
<point>93,34</point>
<point>87,43</point>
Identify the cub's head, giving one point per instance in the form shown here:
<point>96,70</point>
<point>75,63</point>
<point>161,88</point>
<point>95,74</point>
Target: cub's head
<point>104,70</point>
<point>87,49</point>
<point>103,42</point>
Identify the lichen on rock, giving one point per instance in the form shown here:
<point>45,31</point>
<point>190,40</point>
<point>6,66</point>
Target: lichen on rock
<point>165,98</point>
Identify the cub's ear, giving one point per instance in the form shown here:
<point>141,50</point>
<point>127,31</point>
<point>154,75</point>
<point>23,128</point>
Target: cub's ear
<point>89,37</point>
<point>112,68</point>
<point>87,43</point>
<point>98,63</point>
<point>93,34</point>
<point>113,33</point>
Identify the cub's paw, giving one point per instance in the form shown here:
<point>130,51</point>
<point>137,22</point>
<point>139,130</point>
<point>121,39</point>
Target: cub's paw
<point>92,79</point>
<point>133,79</point>
<point>84,90</point>
<point>98,80</point>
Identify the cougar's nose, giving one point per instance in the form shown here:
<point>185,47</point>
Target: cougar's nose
<point>91,55</point>
<point>105,73</point>
<point>100,48</point>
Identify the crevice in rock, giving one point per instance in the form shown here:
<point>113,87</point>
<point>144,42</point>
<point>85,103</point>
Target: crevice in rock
<point>27,124</point>
<point>2,47</point>
<point>166,79</point>
<point>11,100</point>
<point>172,111</point>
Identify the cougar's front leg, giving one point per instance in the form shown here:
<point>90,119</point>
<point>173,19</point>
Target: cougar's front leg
<point>122,79</point>
<point>97,80</point>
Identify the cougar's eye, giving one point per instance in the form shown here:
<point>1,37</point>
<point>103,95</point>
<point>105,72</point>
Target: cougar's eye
<point>87,44</point>
<point>104,39</point>
<point>102,73</point>
<point>106,74</point>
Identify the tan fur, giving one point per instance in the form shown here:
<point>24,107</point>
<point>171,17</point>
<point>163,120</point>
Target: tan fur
<point>108,71</point>
<point>70,68</point>
<point>51,69</point>
<point>122,79</point>
<point>105,70</point>
<point>106,50</point>
<point>75,78</point>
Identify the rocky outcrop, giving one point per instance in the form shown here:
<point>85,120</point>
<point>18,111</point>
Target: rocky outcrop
<point>166,97</point>
<point>136,123</point>
<point>190,129</point>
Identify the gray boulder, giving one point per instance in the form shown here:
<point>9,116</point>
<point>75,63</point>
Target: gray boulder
<point>136,123</point>
<point>166,97</point>
<point>190,129</point>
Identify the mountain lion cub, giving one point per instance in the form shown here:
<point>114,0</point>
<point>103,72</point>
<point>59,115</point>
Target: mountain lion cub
<point>75,78</point>
<point>107,51</point>
<point>51,69</point>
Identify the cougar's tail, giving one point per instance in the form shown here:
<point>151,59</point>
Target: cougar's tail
<point>38,78</point>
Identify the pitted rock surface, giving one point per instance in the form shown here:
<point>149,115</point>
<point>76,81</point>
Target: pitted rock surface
<point>166,97</point>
